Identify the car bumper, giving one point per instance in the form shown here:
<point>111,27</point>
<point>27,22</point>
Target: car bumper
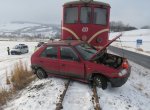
<point>118,82</point>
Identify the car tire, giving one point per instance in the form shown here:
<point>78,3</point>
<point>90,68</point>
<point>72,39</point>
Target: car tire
<point>12,53</point>
<point>100,81</point>
<point>41,74</point>
<point>19,53</point>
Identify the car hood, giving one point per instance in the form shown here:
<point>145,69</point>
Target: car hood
<point>15,50</point>
<point>105,46</point>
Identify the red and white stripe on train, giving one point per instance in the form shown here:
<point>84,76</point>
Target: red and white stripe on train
<point>86,20</point>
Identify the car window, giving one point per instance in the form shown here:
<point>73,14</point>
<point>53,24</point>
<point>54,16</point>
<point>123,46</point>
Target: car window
<point>68,53</point>
<point>25,46</point>
<point>17,47</point>
<point>50,52</point>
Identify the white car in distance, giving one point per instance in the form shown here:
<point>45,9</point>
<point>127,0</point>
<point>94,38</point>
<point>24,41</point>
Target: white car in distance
<point>19,49</point>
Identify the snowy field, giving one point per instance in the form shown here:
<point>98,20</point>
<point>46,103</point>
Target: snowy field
<point>28,28</point>
<point>44,94</point>
<point>129,38</point>
<point>7,61</point>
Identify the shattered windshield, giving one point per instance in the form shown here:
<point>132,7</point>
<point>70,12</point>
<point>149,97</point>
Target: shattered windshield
<point>86,51</point>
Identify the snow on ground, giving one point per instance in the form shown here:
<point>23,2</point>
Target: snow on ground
<point>129,38</point>
<point>40,95</point>
<point>134,95</point>
<point>10,44</point>
<point>7,62</point>
<point>43,94</point>
<point>78,97</point>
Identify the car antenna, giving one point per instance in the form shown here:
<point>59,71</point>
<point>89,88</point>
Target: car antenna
<point>121,45</point>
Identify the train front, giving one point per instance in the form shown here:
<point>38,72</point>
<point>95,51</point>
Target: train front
<point>86,20</point>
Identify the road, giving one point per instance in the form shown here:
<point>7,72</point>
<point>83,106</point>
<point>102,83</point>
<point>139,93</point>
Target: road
<point>140,59</point>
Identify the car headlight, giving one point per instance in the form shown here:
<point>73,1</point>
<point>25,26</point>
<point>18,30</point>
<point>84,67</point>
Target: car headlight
<point>123,72</point>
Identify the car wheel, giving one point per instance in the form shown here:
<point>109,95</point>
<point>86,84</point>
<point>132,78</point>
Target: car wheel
<point>12,53</point>
<point>41,74</point>
<point>19,53</point>
<point>100,81</point>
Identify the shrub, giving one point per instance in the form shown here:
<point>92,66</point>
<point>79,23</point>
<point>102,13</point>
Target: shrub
<point>140,49</point>
<point>21,76</point>
<point>4,96</point>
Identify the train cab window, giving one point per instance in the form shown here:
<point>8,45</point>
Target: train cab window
<point>71,15</point>
<point>85,15</point>
<point>100,16</point>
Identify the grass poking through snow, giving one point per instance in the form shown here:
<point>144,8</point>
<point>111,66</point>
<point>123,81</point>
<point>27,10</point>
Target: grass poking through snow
<point>20,78</point>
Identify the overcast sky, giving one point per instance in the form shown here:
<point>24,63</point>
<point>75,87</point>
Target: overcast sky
<point>133,12</point>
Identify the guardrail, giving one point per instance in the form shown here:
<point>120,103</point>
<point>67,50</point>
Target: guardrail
<point>140,59</point>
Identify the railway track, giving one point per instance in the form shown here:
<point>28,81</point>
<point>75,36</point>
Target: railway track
<point>95,98</point>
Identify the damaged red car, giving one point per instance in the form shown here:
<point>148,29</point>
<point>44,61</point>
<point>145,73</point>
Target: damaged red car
<point>79,61</point>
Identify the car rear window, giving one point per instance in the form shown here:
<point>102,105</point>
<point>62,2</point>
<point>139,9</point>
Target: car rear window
<point>50,52</point>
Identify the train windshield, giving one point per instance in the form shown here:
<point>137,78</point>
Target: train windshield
<point>71,15</point>
<point>85,15</point>
<point>100,16</point>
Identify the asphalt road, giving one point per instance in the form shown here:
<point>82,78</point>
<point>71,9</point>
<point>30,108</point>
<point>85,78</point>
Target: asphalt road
<point>135,57</point>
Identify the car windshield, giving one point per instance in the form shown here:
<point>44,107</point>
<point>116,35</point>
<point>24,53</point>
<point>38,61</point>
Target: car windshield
<point>16,47</point>
<point>86,50</point>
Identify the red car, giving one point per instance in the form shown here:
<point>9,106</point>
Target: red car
<point>80,61</point>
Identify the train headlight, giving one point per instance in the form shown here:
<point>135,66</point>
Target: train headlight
<point>86,1</point>
<point>84,37</point>
<point>98,40</point>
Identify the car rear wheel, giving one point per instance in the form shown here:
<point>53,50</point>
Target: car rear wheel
<point>100,81</point>
<point>12,53</point>
<point>41,74</point>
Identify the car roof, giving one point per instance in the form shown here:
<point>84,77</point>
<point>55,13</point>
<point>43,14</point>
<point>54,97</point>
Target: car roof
<point>65,42</point>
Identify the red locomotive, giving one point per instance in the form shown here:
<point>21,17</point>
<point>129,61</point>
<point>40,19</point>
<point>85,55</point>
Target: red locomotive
<point>86,20</point>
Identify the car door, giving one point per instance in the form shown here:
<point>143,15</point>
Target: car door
<point>21,49</point>
<point>49,60</point>
<point>70,64</point>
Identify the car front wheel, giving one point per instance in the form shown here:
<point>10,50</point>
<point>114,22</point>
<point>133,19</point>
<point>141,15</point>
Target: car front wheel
<point>41,74</point>
<point>100,81</point>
